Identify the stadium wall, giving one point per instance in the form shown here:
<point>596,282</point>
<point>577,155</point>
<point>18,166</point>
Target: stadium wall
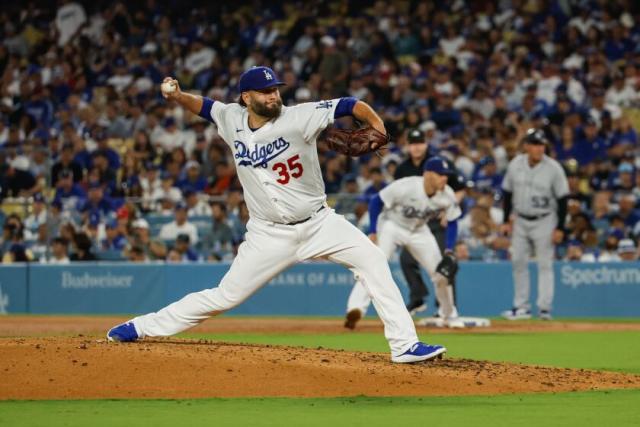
<point>484,289</point>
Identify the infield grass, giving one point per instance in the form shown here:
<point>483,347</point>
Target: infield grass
<point>611,351</point>
<point>614,408</point>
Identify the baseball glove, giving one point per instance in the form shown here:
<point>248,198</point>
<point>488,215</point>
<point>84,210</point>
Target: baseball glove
<point>448,267</point>
<point>355,142</point>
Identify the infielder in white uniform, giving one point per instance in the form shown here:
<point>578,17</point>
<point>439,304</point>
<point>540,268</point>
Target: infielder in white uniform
<point>277,162</point>
<point>536,188</point>
<point>407,205</point>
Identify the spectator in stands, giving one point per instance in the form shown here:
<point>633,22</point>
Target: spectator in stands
<point>610,251</point>
<point>627,210</point>
<point>40,242</point>
<point>68,194</point>
<point>575,252</point>
<point>461,251</point>
<point>180,225</point>
<point>59,251</point>
<point>195,205</point>
<point>377,182</point>
<point>17,180</point>
<point>346,201</point>
<point>167,190</point>
<point>82,248</point>
<point>220,238</point>
<point>96,202</point>
<point>38,215</point>
<point>193,178</point>
<point>114,240</point>
<point>66,161</point>
<point>182,246</point>
<point>627,250</point>
<point>136,254</point>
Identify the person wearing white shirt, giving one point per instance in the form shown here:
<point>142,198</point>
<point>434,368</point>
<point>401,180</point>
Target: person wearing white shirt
<point>59,252</point>
<point>180,225</point>
<point>195,205</point>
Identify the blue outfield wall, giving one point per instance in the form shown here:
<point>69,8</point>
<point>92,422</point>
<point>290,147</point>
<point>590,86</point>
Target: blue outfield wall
<point>483,289</point>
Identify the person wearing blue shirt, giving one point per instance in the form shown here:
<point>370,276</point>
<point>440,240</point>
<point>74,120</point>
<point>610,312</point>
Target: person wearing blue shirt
<point>590,146</point>
<point>193,178</point>
<point>68,194</point>
<point>96,201</point>
<point>114,240</point>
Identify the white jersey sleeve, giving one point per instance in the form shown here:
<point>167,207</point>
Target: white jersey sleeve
<point>394,192</point>
<point>219,113</point>
<point>313,117</point>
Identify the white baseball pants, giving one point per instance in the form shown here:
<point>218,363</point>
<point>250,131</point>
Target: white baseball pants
<point>420,243</point>
<point>270,249</point>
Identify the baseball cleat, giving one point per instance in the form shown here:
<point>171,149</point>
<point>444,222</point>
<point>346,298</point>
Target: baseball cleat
<point>545,315</point>
<point>420,352</point>
<point>517,314</point>
<point>352,318</point>
<point>124,332</point>
<point>415,307</point>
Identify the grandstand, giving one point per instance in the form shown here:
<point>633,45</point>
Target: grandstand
<point>94,164</point>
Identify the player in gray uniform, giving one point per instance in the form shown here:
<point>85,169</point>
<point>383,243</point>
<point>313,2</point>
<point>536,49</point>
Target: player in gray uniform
<point>536,189</point>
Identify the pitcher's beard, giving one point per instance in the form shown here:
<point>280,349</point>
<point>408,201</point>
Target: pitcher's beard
<point>270,112</point>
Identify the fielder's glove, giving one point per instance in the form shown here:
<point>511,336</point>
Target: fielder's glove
<point>356,142</point>
<point>448,267</point>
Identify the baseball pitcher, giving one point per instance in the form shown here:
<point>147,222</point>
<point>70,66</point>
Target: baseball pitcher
<point>276,157</point>
<point>535,190</point>
<point>408,204</point>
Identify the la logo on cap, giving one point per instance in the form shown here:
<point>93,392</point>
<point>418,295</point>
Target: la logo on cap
<point>267,75</point>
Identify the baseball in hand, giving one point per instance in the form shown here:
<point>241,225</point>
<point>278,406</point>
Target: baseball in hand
<point>168,87</point>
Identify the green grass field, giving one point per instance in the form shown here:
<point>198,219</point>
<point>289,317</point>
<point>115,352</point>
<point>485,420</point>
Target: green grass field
<point>612,351</point>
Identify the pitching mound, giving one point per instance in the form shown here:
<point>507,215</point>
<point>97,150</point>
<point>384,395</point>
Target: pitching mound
<point>83,368</point>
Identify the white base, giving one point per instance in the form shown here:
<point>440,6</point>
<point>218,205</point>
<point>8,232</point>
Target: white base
<point>458,322</point>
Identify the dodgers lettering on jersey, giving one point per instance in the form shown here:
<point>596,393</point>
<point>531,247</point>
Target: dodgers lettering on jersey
<point>278,164</point>
<point>406,203</point>
<point>535,190</point>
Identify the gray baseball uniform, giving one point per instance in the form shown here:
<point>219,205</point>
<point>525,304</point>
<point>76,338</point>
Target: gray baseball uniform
<point>536,191</point>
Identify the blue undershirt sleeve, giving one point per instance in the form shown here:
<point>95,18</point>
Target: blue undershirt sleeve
<point>345,107</point>
<point>451,234</point>
<point>375,207</point>
<point>205,111</point>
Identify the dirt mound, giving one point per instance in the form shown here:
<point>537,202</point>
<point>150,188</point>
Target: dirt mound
<point>90,368</point>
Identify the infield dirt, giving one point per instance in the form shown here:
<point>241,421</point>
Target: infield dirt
<point>85,366</point>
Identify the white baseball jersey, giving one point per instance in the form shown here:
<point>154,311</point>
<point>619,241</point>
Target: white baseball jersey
<point>278,163</point>
<point>535,190</point>
<point>406,203</point>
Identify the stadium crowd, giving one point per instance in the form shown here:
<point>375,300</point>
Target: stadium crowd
<point>94,164</point>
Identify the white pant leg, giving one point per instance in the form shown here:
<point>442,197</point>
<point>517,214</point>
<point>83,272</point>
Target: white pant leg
<point>359,298</point>
<point>338,240</point>
<point>267,251</point>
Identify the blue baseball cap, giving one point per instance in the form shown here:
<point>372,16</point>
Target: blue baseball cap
<point>258,78</point>
<point>438,165</point>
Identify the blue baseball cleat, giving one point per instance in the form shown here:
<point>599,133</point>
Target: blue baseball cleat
<point>420,352</point>
<point>124,332</point>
